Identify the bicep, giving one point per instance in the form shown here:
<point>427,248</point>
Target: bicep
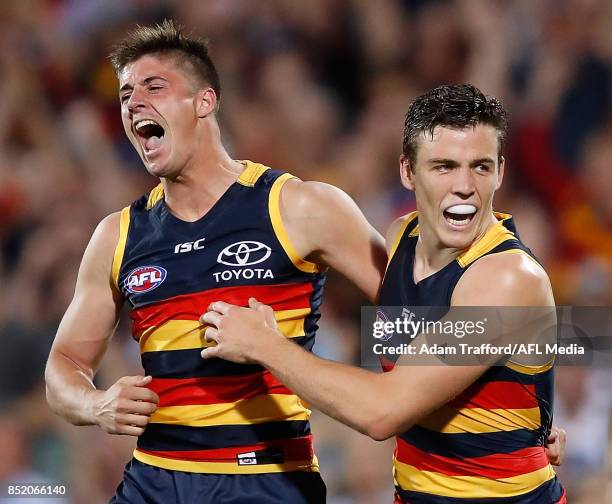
<point>92,315</point>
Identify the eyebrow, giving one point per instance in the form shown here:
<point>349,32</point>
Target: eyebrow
<point>145,81</point>
<point>452,162</point>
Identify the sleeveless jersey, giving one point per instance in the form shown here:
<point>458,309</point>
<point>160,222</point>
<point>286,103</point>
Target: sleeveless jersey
<point>215,416</point>
<point>487,444</point>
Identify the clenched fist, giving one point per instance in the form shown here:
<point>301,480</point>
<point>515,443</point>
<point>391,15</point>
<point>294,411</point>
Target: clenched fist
<point>126,407</point>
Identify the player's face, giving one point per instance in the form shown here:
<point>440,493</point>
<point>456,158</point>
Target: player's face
<point>456,175</point>
<point>159,112</point>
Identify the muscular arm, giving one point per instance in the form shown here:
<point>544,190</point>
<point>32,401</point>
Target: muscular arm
<point>81,341</point>
<point>325,226</point>
<point>379,405</point>
<point>85,329</point>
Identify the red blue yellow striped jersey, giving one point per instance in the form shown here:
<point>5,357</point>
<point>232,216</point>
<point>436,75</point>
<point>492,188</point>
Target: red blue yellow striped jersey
<point>215,416</point>
<point>486,445</point>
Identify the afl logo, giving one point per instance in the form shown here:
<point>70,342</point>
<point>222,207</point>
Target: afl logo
<point>244,253</point>
<point>144,279</point>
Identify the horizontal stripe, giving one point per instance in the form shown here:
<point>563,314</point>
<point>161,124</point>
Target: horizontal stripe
<point>410,478</point>
<point>496,395</point>
<point>478,420</point>
<point>260,409</point>
<point>224,467</point>
<point>550,492</point>
<point>286,449</point>
<point>213,390</point>
<point>189,363</point>
<point>184,437</point>
<point>471,445</point>
<point>495,466</point>
<point>191,306</point>
<point>185,334</point>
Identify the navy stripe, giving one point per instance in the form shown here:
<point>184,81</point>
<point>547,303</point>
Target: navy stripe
<point>189,363</point>
<point>548,493</point>
<point>463,446</point>
<point>182,437</point>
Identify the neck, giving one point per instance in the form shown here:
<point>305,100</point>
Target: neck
<point>203,179</point>
<point>431,255</point>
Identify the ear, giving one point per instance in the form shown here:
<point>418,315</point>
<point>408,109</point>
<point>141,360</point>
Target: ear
<point>500,172</point>
<point>206,102</point>
<point>406,173</point>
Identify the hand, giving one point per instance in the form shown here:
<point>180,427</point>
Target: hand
<point>555,445</point>
<point>241,334</point>
<point>126,407</point>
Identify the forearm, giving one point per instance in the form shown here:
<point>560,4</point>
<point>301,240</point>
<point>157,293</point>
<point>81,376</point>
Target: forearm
<point>70,390</point>
<point>351,395</point>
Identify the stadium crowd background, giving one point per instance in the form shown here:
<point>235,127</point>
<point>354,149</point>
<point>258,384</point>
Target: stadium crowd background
<point>318,88</point>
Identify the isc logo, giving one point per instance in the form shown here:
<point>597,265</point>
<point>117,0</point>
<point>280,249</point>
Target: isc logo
<point>189,246</point>
<point>144,279</point>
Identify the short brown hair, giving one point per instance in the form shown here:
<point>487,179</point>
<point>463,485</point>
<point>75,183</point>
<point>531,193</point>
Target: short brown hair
<point>453,106</point>
<point>167,38</point>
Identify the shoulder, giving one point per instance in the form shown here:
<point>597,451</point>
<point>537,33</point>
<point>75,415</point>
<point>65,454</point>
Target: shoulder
<point>314,196</point>
<point>504,279</point>
<point>105,238</point>
<point>319,204</point>
<point>396,230</point>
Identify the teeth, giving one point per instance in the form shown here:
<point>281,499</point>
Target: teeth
<point>462,209</point>
<point>145,122</point>
<point>458,222</point>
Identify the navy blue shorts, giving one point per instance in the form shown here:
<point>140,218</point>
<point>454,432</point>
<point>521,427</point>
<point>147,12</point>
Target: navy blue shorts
<point>143,483</point>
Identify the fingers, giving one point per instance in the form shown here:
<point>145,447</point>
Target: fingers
<point>265,309</point>
<point>139,408</point>
<point>253,303</point>
<point>211,334</point>
<point>210,352</point>
<point>211,318</point>
<point>129,419</point>
<point>220,306</point>
<point>137,381</point>
<point>129,430</point>
<point>144,394</point>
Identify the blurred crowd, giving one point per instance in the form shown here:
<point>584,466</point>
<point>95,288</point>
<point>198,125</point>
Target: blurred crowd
<point>318,88</point>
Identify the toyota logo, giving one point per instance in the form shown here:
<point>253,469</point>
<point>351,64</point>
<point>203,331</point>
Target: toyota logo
<point>244,253</point>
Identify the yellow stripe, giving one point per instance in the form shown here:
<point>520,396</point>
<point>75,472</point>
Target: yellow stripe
<point>493,237</point>
<point>124,225</point>
<point>156,194</point>
<point>468,487</point>
<point>259,409</point>
<point>187,334</point>
<point>449,420</point>
<point>530,370</point>
<point>396,240</point>
<point>279,228</point>
<point>251,173</point>
<point>224,467</point>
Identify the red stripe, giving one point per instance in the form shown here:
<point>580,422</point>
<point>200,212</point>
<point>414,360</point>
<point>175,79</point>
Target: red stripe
<point>497,395</point>
<point>192,306</point>
<point>216,389</point>
<point>498,465</point>
<point>292,450</point>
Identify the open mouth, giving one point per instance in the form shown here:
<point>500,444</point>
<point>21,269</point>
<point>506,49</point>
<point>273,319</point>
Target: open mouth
<point>150,135</point>
<point>460,215</point>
